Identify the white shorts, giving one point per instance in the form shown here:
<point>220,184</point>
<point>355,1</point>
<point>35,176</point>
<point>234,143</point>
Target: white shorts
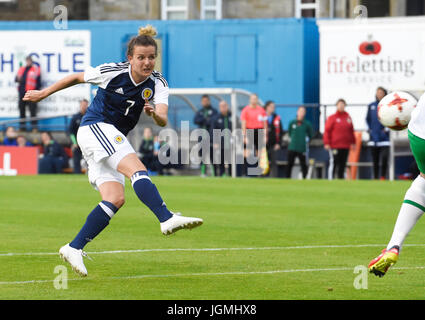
<point>103,147</point>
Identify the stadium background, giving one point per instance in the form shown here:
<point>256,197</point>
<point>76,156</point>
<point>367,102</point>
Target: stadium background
<point>262,238</point>
<point>271,48</point>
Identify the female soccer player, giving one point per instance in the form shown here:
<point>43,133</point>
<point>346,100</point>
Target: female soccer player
<point>413,205</point>
<point>125,89</point>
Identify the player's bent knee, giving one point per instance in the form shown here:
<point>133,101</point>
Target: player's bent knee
<point>130,164</point>
<point>117,201</point>
<point>416,195</point>
<point>113,192</point>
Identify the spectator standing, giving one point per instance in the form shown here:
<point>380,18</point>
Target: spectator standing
<point>28,78</point>
<point>338,138</point>
<point>148,151</point>
<point>274,135</point>
<point>253,118</point>
<point>163,150</point>
<point>222,153</point>
<point>379,137</point>
<point>203,120</point>
<point>300,132</point>
<point>54,158</point>
<point>10,137</point>
<point>72,131</point>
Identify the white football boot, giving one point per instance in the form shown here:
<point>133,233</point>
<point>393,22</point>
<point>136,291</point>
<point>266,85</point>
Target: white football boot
<point>178,222</point>
<point>75,258</point>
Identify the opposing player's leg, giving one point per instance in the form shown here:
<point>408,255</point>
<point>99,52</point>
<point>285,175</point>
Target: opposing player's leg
<point>146,191</point>
<point>112,194</point>
<point>411,210</point>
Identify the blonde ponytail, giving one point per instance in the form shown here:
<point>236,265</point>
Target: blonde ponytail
<point>148,30</point>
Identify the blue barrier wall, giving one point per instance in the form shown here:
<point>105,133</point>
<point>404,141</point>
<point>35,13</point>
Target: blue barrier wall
<point>276,58</point>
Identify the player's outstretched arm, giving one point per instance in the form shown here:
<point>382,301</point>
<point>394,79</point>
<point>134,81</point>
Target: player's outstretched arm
<point>68,81</point>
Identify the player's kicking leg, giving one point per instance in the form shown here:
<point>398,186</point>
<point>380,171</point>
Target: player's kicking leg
<point>178,222</point>
<point>149,195</point>
<point>147,192</point>
<point>411,210</point>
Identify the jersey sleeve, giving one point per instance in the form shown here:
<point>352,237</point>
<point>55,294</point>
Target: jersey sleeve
<point>161,93</point>
<point>92,75</point>
<point>102,74</point>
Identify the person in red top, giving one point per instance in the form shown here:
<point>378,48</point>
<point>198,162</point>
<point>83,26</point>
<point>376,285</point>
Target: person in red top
<point>28,78</point>
<point>338,138</point>
<point>253,118</point>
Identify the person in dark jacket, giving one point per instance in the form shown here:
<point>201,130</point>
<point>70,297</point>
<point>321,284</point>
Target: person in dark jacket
<point>379,137</point>
<point>148,151</point>
<point>203,120</point>
<point>222,152</point>
<point>72,131</point>
<point>274,135</point>
<point>54,158</point>
<point>300,132</point>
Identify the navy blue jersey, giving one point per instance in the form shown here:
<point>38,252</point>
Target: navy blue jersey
<point>119,100</point>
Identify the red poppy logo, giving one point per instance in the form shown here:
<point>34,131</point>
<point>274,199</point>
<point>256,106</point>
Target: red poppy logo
<point>370,47</point>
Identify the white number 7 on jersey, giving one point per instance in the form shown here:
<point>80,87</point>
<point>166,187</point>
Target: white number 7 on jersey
<point>131,102</point>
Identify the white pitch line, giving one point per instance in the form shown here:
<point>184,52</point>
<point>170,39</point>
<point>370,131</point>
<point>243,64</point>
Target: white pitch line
<point>12,254</point>
<point>144,276</point>
<point>206,274</point>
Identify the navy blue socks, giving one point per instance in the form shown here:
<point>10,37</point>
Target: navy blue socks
<point>99,218</point>
<point>96,221</point>
<point>149,195</point>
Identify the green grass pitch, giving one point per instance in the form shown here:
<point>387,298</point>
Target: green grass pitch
<point>261,239</point>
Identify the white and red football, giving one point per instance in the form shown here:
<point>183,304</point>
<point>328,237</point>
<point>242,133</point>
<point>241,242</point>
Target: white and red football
<point>395,109</point>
